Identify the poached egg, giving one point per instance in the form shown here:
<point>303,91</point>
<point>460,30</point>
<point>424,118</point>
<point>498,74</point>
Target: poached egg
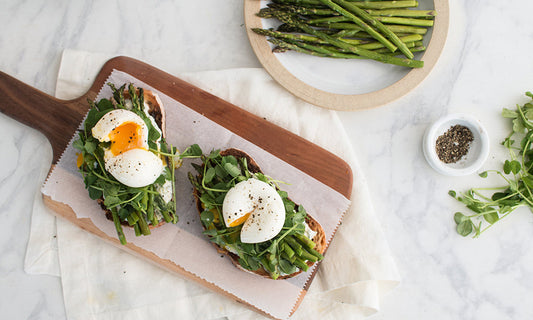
<point>127,158</point>
<point>258,206</point>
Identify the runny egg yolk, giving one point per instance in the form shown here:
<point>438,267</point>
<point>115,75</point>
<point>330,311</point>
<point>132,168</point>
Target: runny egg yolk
<point>239,220</point>
<point>125,137</point>
<point>79,160</point>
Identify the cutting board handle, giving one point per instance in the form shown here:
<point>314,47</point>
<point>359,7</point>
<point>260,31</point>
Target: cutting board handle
<point>56,119</point>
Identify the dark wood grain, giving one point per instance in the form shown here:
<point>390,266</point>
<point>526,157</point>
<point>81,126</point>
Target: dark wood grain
<point>56,119</point>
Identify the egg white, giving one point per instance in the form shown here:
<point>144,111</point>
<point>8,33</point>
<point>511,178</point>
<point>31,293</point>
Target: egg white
<point>135,168</point>
<point>263,205</point>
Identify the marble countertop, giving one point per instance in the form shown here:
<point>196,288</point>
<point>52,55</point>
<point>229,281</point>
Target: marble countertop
<point>485,66</point>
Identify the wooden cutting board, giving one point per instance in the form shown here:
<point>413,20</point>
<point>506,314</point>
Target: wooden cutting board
<point>58,120</point>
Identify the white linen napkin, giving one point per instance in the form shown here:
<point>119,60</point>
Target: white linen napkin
<point>103,282</point>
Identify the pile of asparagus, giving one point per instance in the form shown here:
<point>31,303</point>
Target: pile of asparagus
<point>386,31</point>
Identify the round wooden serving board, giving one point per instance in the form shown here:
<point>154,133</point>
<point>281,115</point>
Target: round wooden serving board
<point>345,102</point>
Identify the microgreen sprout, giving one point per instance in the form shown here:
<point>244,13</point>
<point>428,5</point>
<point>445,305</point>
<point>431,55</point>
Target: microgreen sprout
<point>516,173</point>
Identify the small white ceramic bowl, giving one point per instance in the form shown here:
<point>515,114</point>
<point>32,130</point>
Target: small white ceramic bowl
<point>477,153</point>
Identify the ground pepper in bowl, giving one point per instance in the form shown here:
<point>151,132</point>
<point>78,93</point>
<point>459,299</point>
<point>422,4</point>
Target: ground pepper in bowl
<point>454,144</point>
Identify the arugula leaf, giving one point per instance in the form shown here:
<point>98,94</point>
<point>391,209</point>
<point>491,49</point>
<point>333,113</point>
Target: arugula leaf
<point>94,193</point>
<point>207,217</point>
<point>287,267</point>
<point>78,144</point>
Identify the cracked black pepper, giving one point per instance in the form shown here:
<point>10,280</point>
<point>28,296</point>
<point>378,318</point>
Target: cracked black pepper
<point>452,145</point>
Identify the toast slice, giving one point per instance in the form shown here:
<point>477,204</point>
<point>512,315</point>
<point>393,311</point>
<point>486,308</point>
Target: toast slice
<point>319,239</point>
<point>156,110</point>
<point>141,208</point>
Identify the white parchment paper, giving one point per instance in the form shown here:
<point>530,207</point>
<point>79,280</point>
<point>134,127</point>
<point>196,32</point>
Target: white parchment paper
<point>183,243</point>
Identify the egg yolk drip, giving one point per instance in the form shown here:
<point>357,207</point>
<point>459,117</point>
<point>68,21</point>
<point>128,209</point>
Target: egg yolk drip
<point>240,220</point>
<point>125,137</point>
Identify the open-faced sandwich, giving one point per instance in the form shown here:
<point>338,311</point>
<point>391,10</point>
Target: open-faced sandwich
<point>126,164</point>
<point>246,216</point>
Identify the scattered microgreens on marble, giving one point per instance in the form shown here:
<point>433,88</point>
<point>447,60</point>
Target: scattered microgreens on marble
<point>517,174</point>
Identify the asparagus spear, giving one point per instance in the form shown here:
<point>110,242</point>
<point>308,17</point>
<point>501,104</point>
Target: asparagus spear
<point>305,241</point>
<point>142,223</point>
<point>361,4</point>
<point>287,28</point>
<point>329,52</point>
<point>307,11</point>
<point>302,10</point>
<point>378,36</point>
<point>428,14</point>
<point>283,46</point>
<point>406,39</point>
<point>291,19</point>
<point>300,264</point>
<point>118,226</point>
<point>286,257</point>
<point>302,37</point>
<point>383,19</point>
<point>351,8</point>
<point>306,255</point>
<point>287,250</point>
<point>393,27</point>
<point>137,230</point>
<point>294,245</point>
<point>406,21</point>
<point>385,4</point>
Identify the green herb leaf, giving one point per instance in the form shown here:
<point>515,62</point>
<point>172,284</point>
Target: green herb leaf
<point>287,267</point>
<point>221,172</point>
<point>465,228</point>
<point>515,166</point>
<point>232,169</point>
<point>459,217</point>
<point>207,217</point>
<point>507,167</point>
<point>507,113</point>
<point>90,146</point>
<point>95,193</point>
<point>491,217</point>
<point>105,105</point>
<point>78,144</point>
<point>518,125</point>
<point>209,175</point>
<point>111,201</point>
<point>210,232</point>
<point>193,151</point>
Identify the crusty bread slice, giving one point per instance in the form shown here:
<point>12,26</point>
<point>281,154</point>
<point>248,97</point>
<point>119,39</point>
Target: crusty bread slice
<point>319,238</point>
<point>157,111</point>
<point>155,108</point>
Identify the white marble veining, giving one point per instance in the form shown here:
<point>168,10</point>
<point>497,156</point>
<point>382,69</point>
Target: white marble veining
<point>486,65</point>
